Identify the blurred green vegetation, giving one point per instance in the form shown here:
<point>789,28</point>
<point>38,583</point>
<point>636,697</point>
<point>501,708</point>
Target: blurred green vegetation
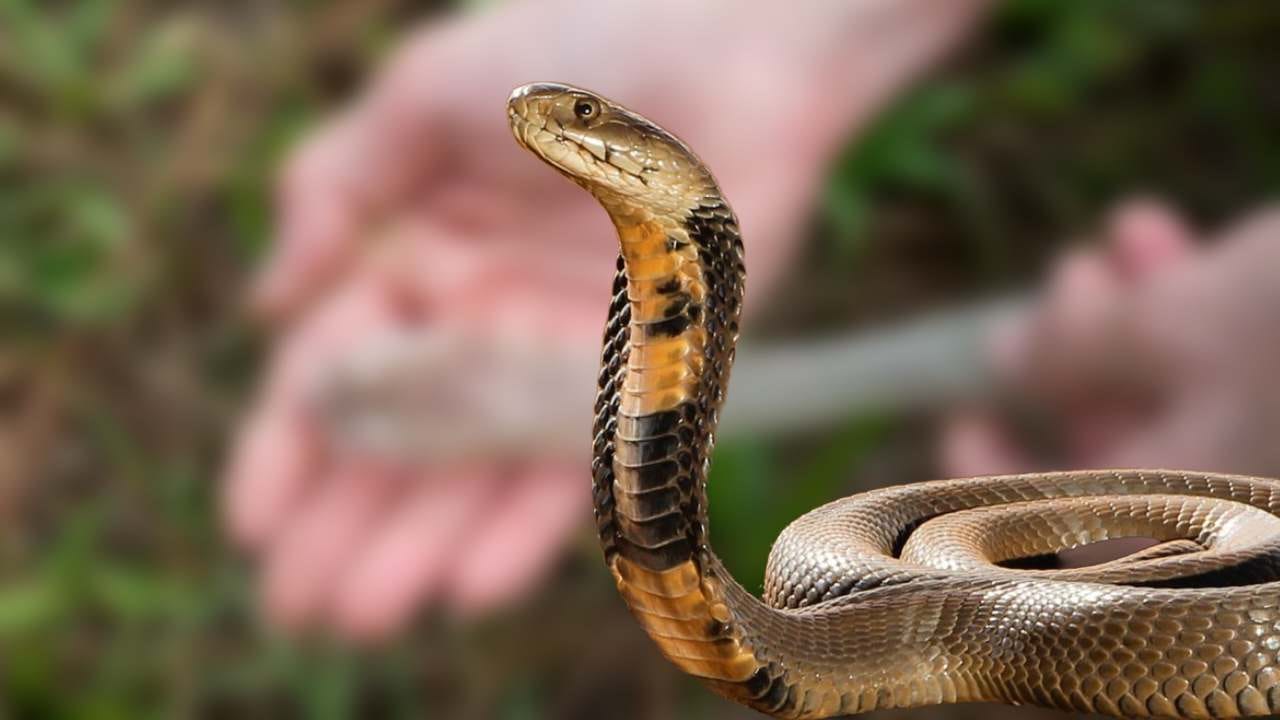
<point>137,144</point>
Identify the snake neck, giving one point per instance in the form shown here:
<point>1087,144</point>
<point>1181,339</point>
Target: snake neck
<point>668,347</point>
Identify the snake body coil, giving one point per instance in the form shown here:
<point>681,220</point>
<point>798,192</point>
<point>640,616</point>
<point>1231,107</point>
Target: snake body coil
<point>893,598</point>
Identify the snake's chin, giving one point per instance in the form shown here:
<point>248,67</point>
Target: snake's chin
<point>554,148</point>
<point>853,619</point>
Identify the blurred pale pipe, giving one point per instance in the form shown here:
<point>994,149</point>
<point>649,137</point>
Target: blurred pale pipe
<point>445,395</point>
<point>928,362</point>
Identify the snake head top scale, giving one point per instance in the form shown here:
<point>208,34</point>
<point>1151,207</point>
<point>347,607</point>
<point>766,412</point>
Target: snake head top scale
<point>624,160</point>
<point>895,597</point>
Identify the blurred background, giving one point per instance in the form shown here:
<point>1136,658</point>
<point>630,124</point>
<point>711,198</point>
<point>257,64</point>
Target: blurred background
<point>139,147</point>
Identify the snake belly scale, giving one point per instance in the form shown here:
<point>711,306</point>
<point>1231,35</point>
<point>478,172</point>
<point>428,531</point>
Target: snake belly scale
<point>892,598</point>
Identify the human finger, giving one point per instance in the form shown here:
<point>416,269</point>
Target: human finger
<point>343,178</point>
<point>517,542</point>
<point>977,443</point>
<point>304,565</point>
<point>1146,236</point>
<point>408,556</point>
<point>317,224</point>
<point>274,458</point>
<point>1085,341</point>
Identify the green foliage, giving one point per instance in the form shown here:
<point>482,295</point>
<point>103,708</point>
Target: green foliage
<point>138,143</point>
<point>128,184</point>
<point>1065,108</point>
<point>62,261</point>
<point>753,495</point>
<point>903,150</point>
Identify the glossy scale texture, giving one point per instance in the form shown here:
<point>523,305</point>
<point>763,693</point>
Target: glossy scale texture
<point>893,598</point>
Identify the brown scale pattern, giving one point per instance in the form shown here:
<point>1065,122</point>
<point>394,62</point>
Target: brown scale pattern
<point>684,298</point>
<point>990,633</point>
<point>892,598</point>
<point>613,360</point>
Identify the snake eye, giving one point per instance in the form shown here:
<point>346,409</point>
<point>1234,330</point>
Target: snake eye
<point>585,109</point>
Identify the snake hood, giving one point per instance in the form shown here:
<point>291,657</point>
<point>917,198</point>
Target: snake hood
<point>895,597</point>
<point>622,158</point>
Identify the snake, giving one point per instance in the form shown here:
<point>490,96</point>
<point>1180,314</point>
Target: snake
<point>900,597</point>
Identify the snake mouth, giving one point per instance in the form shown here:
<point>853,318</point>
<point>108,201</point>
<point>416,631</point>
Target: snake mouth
<point>528,117</point>
<point>536,129</point>
<point>529,134</point>
<point>517,118</point>
<point>542,140</point>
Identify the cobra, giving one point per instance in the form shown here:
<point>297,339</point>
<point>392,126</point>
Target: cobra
<point>897,597</point>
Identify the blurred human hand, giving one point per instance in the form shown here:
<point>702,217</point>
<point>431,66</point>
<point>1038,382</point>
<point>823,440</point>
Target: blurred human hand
<point>1150,350</point>
<point>415,208</point>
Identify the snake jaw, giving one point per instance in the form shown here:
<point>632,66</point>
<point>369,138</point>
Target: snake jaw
<point>680,276</point>
<point>860,612</point>
<point>620,157</point>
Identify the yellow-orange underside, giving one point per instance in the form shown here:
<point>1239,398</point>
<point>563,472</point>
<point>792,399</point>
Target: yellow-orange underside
<point>681,610</point>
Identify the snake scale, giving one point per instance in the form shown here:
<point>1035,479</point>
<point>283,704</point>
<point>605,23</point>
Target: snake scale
<point>896,597</point>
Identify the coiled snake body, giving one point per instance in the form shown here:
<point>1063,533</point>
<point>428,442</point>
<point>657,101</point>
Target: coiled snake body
<point>892,598</point>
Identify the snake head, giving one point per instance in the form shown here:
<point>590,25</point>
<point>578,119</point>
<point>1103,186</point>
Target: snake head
<point>620,157</point>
